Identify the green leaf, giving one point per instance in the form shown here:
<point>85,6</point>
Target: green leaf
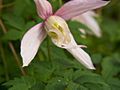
<point>56,83</point>
<point>83,77</point>
<point>62,63</point>
<point>14,21</point>
<point>24,8</point>
<point>96,58</point>
<point>55,5</point>
<point>43,72</point>
<point>58,52</point>
<point>1,74</point>
<point>13,35</point>
<point>19,87</point>
<point>75,86</point>
<point>114,83</point>
<point>23,83</point>
<point>29,25</point>
<point>38,19</point>
<point>38,86</point>
<point>109,67</point>
<point>96,86</point>
<point>92,86</point>
<point>110,28</point>
<point>68,74</point>
<point>90,80</point>
<point>116,56</point>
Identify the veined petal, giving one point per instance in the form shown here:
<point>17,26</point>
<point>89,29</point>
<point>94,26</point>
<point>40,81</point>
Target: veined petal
<point>76,7</point>
<point>89,20</point>
<point>31,42</point>
<point>44,8</point>
<point>80,54</point>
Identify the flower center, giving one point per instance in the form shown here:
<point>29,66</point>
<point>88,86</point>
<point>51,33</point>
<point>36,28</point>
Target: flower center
<point>58,30</point>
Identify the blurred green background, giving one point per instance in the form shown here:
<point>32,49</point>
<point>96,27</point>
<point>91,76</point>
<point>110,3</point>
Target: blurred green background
<point>64,72</point>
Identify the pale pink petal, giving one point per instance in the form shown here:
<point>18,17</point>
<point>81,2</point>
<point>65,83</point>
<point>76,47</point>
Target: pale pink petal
<point>73,47</point>
<point>31,42</point>
<point>80,54</point>
<point>44,8</point>
<point>76,7</point>
<point>92,13</point>
<point>89,20</point>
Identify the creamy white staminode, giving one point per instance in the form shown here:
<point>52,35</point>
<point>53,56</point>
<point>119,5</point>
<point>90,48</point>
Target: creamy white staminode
<point>58,30</point>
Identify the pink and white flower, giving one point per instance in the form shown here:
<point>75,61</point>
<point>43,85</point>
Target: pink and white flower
<point>89,20</point>
<point>56,27</point>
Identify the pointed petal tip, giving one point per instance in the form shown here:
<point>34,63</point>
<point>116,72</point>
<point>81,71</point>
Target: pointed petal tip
<point>92,67</point>
<point>99,35</point>
<point>24,65</point>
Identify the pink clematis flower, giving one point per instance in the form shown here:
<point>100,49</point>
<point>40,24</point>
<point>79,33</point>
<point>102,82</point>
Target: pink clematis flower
<point>56,27</point>
<point>89,20</point>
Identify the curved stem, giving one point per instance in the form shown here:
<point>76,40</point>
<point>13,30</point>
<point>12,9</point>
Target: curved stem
<point>3,55</point>
<point>48,46</point>
<point>10,43</point>
<point>4,62</point>
<point>12,48</point>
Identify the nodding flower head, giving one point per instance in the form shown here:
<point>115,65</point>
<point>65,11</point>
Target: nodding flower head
<point>56,27</point>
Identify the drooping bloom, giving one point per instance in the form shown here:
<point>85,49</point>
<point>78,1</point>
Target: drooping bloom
<point>56,27</point>
<point>89,20</point>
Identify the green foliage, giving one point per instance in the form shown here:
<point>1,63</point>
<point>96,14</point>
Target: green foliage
<point>24,83</point>
<point>111,67</point>
<point>13,35</point>
<point>14,21</point>
<point>96,58</point>
<point>64,72</point>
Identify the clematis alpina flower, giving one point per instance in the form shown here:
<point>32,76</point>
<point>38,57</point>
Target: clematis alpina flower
<point>56,27</point>
<point>89,20</point>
